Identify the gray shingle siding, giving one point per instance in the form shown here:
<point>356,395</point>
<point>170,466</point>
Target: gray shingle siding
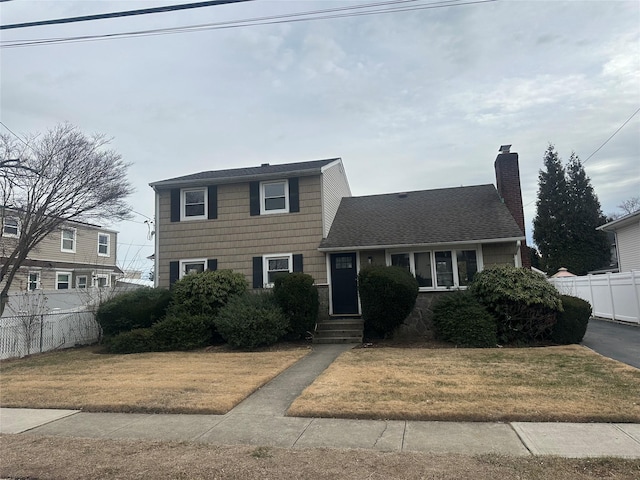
<point>447,215</point>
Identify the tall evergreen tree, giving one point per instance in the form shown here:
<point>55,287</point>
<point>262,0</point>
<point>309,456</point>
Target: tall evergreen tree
<point>551,216</point>
<point>587,248</point>
<point>568,212</point>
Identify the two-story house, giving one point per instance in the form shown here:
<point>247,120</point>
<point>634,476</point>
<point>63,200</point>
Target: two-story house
<point>77,255</point>
<point>301,217</point>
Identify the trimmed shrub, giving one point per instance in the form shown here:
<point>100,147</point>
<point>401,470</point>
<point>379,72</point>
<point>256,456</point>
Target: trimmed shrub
<point>132,310</point>
<point>571,324</point>
<point>297,296</point>
<point>388,295</point>
<point>459,318</point>
<point>138,340</point>
<point>251,320</point>
<point>206,292</point>
<point>182,332</point>
<point>522,301</point>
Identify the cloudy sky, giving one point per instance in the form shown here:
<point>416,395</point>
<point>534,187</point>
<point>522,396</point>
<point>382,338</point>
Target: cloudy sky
<point>409,100</point>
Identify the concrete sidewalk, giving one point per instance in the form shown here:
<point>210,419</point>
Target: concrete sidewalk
<point>261,420</point>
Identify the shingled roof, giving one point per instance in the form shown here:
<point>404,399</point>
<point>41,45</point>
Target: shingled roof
<point>263,172</point>
<point>447,215</point>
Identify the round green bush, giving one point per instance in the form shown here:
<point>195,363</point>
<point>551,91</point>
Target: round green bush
<point>182,332</point>
<point>387,295</point>
<point>138,340</point>
<point>206,292</point>
<point>297,296</point>
<point>522,301</point>
<point>137,309</point>
<point>460,319</point>
<point>251,320</point>
<point>571,323</point>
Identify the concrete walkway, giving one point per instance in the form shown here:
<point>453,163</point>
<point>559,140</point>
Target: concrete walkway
<point>261,420</point>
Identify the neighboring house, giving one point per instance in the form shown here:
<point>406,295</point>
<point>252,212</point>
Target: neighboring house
<point>627,240</point>
<point>301,217</point>
<point>77,255</point>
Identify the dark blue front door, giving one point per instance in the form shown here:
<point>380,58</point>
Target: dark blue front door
<point>344,283</point>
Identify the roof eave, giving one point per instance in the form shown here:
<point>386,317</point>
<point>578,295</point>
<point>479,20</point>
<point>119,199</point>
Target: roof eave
<point>620,222</point>
<point>420,245</point>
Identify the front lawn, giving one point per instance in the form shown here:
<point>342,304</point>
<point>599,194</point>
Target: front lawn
<point>566,384</point>
<point>211,382</point>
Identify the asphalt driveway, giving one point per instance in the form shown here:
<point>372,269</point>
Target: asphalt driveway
<point>614,340</point>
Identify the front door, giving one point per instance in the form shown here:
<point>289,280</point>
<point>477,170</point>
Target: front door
<point>344,283</point>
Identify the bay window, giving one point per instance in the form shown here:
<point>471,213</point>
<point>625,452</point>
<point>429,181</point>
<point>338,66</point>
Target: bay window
<point>439,268</point>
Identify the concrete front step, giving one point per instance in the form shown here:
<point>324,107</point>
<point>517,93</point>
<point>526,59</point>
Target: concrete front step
<point>339,330</point>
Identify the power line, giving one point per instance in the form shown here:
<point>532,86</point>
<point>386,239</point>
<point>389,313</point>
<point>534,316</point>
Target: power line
<point>271,20</point>
<point>127,13</point>
<point>613,135</point>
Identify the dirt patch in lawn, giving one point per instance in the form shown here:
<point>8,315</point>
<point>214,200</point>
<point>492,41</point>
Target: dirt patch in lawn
<point>29,457</point>
<point>567,384</point>
<point>209,381</point>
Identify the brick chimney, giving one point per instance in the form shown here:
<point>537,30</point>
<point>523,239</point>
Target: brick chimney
<point>508,186</point>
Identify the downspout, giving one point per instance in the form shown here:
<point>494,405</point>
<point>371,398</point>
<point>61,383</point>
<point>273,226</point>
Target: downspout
<point>518,257</point>
<point>156,243</point>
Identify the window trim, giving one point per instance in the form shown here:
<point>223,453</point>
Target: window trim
<point>4,227</point>
<point>182,273</point>
<point>69,282</point>
<point>86,281</point>
<point>432,251</point>
<point>263,197</point>
<point>62,239</point>
<point>265,266</point>
<point>96,276</point>
<point>183,204</point>
<point>108,235</point>
<point>38,281</point>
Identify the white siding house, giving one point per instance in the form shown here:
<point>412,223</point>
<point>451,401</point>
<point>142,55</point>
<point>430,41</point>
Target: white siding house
<point>627,232</point>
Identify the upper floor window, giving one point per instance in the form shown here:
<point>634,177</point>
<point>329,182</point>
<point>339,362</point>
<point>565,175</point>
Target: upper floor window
<point>104,243</point>
<point>11,227</point>
<point>193,204</point>
<point>440,268</point>
<point>274,197</point>
<point>68,242</point>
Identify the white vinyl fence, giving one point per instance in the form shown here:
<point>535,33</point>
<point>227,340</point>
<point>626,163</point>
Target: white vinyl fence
<point>26,334</point>
<point>615,296</point>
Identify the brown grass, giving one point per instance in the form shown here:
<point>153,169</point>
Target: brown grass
<point>568,384</point>
<point>211,382</point>
<point>35,457</point>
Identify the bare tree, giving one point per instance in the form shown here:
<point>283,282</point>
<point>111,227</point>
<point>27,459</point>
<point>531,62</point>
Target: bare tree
<point>630,206</point>
<point>48,180</point>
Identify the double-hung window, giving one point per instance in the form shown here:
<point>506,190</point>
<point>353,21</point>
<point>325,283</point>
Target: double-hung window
<point>63,280</point>
<point>68,240</point>
<point>10,227</point>
<point>274,197</point>
<point>104,241</point>
<point>275,264</point>
<point>192,266</point>
<point>34,281</point>
<point>101,280</point>
<point>439,268</point>
<point>193,204</point>
<point>81,281</point>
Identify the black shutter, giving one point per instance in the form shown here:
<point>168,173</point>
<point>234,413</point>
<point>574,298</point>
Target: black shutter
<point>257,272</point>
<point>254,198</point>
<point>212,264</point>
<point>175,204</point>
<point>212,200</point>
<point>174,272</point>
<point>294,195</point>
<point>297,263</point>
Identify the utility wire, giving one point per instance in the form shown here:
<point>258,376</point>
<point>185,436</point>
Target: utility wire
<point>612,135</point>
<point>127,13</point>
<point>249,22</point>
